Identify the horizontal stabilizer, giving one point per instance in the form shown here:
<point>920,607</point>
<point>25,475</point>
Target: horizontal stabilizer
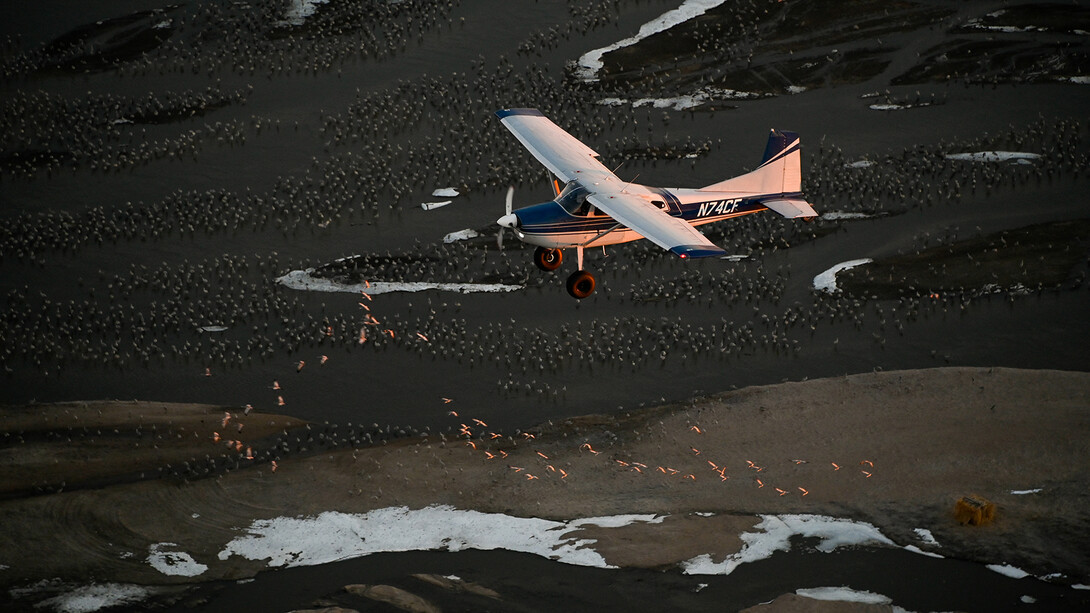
<point>791,207</point>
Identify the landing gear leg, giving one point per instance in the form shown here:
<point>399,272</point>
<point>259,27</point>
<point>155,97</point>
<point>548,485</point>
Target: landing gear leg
<point>580,283</point>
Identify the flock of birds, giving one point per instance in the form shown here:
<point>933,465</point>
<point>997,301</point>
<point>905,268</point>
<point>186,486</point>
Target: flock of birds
<point>159,315</point>
<point>376,151</point>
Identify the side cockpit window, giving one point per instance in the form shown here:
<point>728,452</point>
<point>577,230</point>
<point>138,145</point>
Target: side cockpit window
<point>573,198</point>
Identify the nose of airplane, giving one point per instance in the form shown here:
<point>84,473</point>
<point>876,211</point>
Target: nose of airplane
<point>509,220</point>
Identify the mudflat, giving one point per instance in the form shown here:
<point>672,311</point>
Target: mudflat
<point>896,449</point>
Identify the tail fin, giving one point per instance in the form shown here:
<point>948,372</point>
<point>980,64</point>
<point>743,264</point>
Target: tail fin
<point>780,171</point>
<point>778,141</point>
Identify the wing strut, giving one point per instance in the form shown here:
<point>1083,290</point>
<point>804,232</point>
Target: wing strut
<point>601,234</point>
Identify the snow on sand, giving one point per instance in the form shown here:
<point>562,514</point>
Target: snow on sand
<point>332,536</point>
<point>775,535</point>
<point>591,62</point>
<point>826,281</point>
<point>302,280</point>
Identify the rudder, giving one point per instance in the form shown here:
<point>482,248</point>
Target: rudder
<point>778,141</point>
<point>780,171</point>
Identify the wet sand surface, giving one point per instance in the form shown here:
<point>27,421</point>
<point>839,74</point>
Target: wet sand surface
<point>162,165</point>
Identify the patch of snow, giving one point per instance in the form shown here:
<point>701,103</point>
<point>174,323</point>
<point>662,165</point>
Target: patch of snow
<point>616,521</point>
<point>460,235</point>
<point>173,563</point>
<point>843,594</point>
<point>1008,29</point>
<point>299,10</point>
<point>775,535</point>
<point>738,257</point>
<point>162,25</point>
<point>1028,599</point>
<point>926,536</point>
<point>700,586</point>
<point>890,106</point>
<point>1081,79</point>
<point>1019,157</point>
<point>930,554</point>
<point>859,164</point>
<point>428,206</point>
<point>733,94</point>
<point>590,63</point>
<point>681,103</point>
<point>1080,586</point>
<point>95,597</point>
<point>446,192</point>
<point>1024,492</point>
<point>795,89</point>
<point>302,280</point>
<point>452,577</point>
<point>1008,570</point>
<point>332,536</point>
<point>213,328</point>
<point>836,215</point>
<point>678,103</point>
<point>977,24</point>
<point>826,281</point>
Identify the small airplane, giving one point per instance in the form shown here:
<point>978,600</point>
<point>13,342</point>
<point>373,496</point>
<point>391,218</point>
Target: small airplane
<point>596,208</point>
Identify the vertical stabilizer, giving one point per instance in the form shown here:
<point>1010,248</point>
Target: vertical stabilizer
<point>778,141</point>
<point>780,171</point>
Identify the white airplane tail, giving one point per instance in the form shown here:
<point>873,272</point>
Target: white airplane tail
<point>778,176</point>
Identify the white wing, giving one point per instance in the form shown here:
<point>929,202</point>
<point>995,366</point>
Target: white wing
<point>630,204</point>
<point>560,152</point>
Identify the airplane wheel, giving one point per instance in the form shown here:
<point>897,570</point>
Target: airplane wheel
<point>548,259</point>
<point>581,284</point>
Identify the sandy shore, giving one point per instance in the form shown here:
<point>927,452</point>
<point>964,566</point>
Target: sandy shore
<point>76,445</point>
<point>895,449</point>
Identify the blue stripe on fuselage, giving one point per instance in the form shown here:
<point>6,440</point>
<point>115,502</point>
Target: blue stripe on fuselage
<point>551,219</point>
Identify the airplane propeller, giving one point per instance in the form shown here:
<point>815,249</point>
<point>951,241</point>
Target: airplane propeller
<point>508,220</point>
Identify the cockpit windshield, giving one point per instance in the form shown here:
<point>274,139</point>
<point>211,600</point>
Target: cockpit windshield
<point>573,198</point>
